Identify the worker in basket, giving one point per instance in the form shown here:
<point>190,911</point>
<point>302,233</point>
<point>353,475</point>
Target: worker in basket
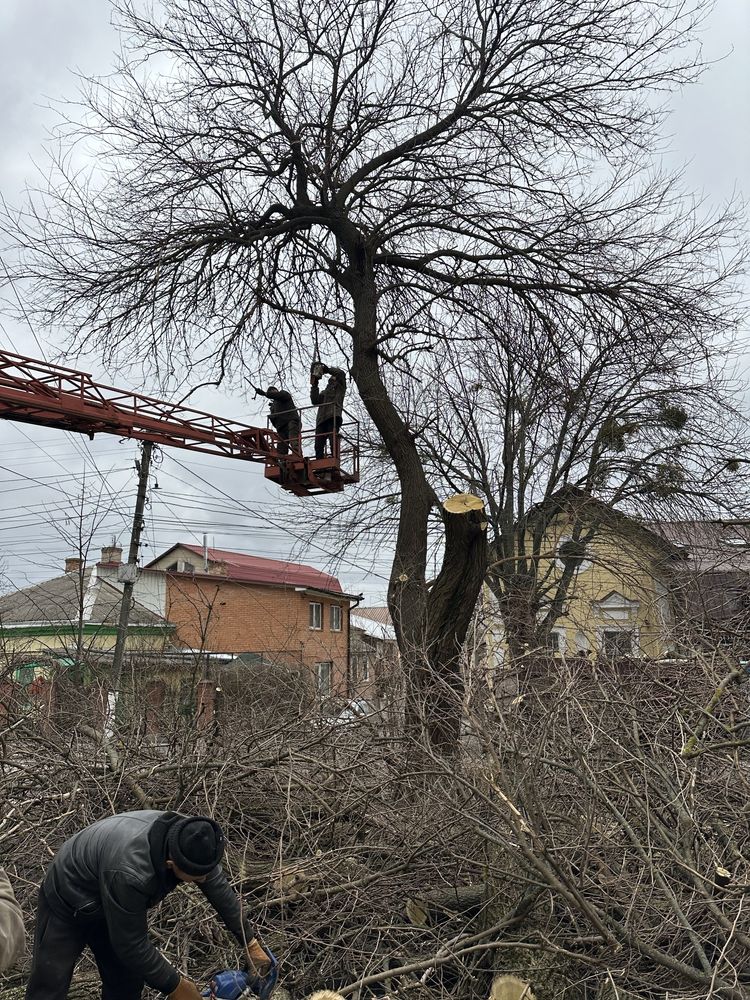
<point>99,888</point>
<point>285,417</point>
<point>330,403</point>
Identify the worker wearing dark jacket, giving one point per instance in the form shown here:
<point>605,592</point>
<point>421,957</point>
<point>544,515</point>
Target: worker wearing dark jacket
<point>99,888</point>
<point>284,416</point>
<point>330,403</point>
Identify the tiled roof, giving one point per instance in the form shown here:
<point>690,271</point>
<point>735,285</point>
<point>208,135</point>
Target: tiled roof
<point>590,509</point>
<point>710,545</point>
<point>255,569</point>
<point>63,600</point>
<point>380,615</point>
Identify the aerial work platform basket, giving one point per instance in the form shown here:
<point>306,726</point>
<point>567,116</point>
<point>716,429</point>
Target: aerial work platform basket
<point>48,395</point>
<point>306,475</point>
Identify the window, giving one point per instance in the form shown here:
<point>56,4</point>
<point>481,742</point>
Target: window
<point>617,643</point>
<point>573,554</point>
<point>324,674</point>
<point>360,667</point>
<point>554,644</point>
<point>181,566</point>
<point>335,617</point>
<point>316,615</point>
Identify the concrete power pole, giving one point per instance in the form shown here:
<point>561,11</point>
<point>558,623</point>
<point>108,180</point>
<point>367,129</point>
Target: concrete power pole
<point>131,572</point>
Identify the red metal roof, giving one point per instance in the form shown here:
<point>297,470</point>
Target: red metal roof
<point>255,569</point>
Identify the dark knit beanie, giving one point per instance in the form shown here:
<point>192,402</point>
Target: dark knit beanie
<point>195,844</point>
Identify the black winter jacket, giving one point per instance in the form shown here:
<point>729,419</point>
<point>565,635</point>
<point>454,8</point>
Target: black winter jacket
<point>330,401</point>
<point>282,408</point>
<point>115,871</point>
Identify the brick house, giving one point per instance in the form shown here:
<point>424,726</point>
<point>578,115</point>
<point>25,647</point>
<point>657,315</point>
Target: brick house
<point>287,613</point>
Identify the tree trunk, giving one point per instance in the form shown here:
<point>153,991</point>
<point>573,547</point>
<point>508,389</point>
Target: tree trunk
<point>407,590</point>
<point>430,629</point>
<point>450,607</point>
<point>516,595</point>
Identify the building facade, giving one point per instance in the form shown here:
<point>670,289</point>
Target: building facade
<point>223,602</point>
<point>374,665</point>
<point>75,615</point>
<point>619,602</point>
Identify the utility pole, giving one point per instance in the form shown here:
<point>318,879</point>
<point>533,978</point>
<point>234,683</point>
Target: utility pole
<point>131,572</point>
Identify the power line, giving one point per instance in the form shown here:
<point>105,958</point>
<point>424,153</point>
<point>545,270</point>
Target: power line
<point>305,542</point>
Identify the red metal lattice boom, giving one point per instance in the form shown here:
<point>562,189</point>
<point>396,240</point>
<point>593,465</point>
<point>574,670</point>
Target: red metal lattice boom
<point>37,392</point>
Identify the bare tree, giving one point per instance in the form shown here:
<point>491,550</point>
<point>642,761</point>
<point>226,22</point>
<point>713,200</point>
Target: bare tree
<point>271,181</point>
<point>589,430</point>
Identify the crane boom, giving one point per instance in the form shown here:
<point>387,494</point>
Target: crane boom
<point>38,392</point>
<point>49,395</point>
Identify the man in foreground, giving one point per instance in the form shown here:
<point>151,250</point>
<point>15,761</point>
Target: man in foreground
<point>97,892</point>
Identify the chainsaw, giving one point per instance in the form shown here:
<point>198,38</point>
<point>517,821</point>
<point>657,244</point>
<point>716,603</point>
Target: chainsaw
<point>231,984</point>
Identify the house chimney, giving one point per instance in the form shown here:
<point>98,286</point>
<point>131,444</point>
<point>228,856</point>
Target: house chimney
<point>73,564</point>
<point>111,555</point>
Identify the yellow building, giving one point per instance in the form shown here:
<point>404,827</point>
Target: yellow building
<point>592,582</point>
<point>618,599</point>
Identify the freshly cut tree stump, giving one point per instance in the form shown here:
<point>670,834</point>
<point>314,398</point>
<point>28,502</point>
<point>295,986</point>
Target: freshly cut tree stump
<point>434,907</point>
<point>462,503</point>
<point>510,988</point>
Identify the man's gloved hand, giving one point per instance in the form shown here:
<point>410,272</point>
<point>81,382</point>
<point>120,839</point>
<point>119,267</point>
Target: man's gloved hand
<point>186,990</point>
<point>264,971</point>
<point>258,959</point>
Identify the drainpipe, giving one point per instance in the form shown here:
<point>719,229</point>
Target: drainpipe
<point>358,600</point>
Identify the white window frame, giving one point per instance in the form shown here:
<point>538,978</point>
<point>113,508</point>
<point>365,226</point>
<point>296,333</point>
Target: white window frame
<point>586,562</point>
<point>366,669</point>
<point>323,668</point>
<point>337,627</point>
<point>316,616</point>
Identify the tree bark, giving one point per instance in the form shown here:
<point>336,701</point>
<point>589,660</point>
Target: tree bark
<point>407,589</point>
<point>430,628</point>
<point>450,608</point>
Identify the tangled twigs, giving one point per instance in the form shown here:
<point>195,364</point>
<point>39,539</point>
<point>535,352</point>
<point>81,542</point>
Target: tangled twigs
<point>595,844</point>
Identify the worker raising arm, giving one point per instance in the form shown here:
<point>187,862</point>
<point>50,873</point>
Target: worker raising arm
<point>330,403</point>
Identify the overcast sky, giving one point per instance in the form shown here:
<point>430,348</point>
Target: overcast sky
<point>42,472</point>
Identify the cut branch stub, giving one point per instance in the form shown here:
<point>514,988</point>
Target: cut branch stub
<point>433,907</point>
<point>510,988</point>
